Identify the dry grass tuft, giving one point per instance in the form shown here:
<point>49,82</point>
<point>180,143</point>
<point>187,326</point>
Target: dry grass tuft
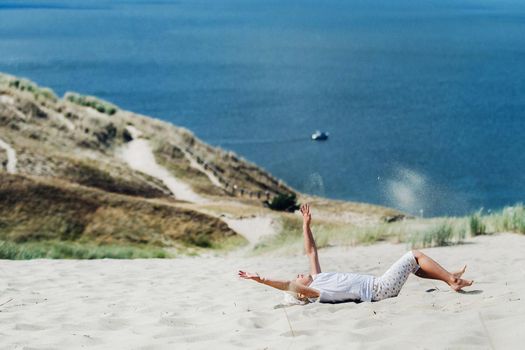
<point>35,209</point>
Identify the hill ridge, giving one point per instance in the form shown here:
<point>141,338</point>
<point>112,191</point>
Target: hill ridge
<point>57,144</point>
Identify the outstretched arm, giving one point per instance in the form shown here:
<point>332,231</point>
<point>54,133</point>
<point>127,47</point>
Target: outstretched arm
<point>289,286</point>
<point>309,243</point>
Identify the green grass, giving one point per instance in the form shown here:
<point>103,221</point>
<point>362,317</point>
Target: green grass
<point>55,249</point>
<point>38,92</point>
<point>510,219</point>
<point>229,243</point>
<point>418,233</point>
<point>76,250</point>
<point>477,225</point>
<point>442,232</point>
<point>93,102</point>
<point>326,235</point>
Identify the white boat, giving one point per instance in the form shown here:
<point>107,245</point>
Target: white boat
<point>320,136</point>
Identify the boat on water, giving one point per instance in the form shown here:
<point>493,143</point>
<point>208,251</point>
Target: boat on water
<point>320,136</point>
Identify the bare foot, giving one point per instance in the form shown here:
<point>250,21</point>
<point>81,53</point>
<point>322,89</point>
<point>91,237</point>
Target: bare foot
<point>459,284</point>
<point>459,273</point>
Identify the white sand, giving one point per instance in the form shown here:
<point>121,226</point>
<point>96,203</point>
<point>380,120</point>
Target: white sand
<point>199,303</point>
<point>7,100</point>
<point>11,157</point>
<point>139,156</point>
<point>254,228</point>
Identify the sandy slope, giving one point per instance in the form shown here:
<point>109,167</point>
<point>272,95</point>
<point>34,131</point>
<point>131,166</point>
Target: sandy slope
<point>11,157</point>
<point>254,228</point>
<point>139,156</point>
<point>198,303</point>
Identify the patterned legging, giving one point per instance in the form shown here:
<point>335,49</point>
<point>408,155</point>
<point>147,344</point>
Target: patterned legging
<point>390,283</point>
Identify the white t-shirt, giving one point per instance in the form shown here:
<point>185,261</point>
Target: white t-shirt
<point>337,287</point>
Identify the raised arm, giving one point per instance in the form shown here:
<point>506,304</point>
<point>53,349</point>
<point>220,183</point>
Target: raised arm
<point>289,286</point>
<point>309,243</point>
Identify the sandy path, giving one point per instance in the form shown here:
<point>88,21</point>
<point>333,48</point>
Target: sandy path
<point>139,156</point>
<point>11,157</point>
<point>254,228</point>
<point>198,303</point>
<point>193,163</point>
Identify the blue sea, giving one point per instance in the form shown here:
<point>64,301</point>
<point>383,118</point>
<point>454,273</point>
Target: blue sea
<point>424,100</point>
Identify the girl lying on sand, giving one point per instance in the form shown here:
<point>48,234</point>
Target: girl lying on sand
<point>336,287</point>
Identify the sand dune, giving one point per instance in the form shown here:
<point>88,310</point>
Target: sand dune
<point>199,303</point>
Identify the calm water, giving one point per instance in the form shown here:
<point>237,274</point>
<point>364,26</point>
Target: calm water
<point>423,100</point>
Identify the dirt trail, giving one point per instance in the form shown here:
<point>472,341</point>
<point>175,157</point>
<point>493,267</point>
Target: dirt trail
<point>193,163</point>
<point>139,156</point>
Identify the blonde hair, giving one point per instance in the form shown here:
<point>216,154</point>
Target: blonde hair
<point>290,298</point>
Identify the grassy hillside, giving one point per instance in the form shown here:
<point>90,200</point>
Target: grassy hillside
<point>47,210</point>
<point>41,127</point>
<point>72,193</point>
<point>76,140</point>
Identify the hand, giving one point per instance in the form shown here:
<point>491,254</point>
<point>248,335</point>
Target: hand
<point>249,276</point>
<point>307,214</point>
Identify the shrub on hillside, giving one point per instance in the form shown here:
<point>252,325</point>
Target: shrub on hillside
<point>106,134</point>
<point>284,202</point>
<point>38,92</point>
